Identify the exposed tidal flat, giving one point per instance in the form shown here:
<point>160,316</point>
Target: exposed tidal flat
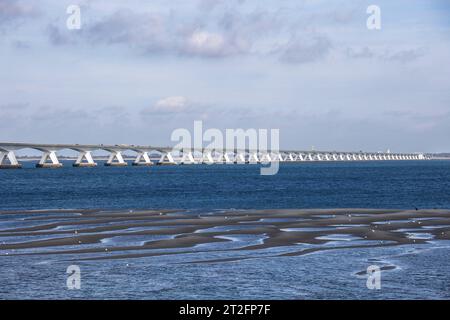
<point>275,254</point>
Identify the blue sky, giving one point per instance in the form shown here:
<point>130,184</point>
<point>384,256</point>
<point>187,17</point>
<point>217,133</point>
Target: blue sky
<point>137,70</point>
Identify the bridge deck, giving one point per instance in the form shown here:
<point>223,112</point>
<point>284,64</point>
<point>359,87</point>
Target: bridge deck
<point>49,157</point>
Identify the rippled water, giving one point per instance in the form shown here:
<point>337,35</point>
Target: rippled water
<point>389,184</point>
<point>420,272</point>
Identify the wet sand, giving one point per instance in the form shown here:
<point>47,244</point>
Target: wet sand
<point>85,233</point>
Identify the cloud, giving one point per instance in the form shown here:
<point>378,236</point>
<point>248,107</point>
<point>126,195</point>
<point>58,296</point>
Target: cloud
<point>205,42</point>
<point>359,53</point>
<point>210,5</point>
<point>213,29</point>
<point>174,104</point>
<point>12,12</point>
<point>209,44</point>
<point>181,108</point>
<point>153,33</point>
<point>144,30</point>
<point>225,33</point>
<point>56,36</point>
<point>305,49</point>
<point>178,106</point>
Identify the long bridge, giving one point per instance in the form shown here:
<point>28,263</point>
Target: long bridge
<point>166,155</point>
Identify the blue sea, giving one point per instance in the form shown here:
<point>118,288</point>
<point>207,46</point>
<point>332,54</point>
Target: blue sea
<point>386,184</point>
<point>419,271</point>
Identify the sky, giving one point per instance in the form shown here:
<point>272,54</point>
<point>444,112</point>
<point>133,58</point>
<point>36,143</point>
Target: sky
<point>137,70</point>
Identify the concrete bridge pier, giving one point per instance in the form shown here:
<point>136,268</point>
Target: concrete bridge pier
<point>239,158</point>
<point>166,159</point>
<point>254,158</point>
<point>228,158</point>
<point>207,158</point>
<point>49,160</point>
<point>13,163</point>
<point>187,158</point>
<point>265,158</point>
<point>49,155</point>
<point>219,157</point>
<point>116,160</point>
<point>87,156</point>
<point>142,159</point>
<point>224,158</point>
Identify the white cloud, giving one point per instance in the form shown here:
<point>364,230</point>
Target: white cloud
<point>202,42</point>
<point>171,105</point>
